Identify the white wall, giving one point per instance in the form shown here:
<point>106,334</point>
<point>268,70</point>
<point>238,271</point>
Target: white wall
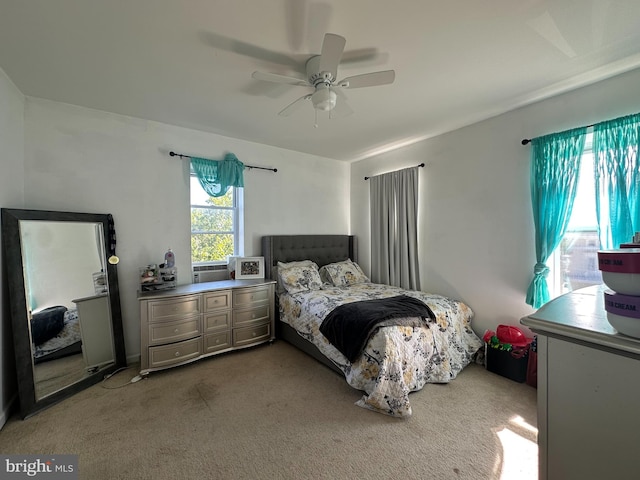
<point>50,248</point>
<point>84,160</point>
<point>11,196</point>
<point>476,227</point>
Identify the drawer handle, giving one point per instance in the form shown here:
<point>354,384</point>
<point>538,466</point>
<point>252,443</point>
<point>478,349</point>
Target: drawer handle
<point>253,334</point>
<point>176,330</point>
<point>177,354</point>
<point>253,315</point>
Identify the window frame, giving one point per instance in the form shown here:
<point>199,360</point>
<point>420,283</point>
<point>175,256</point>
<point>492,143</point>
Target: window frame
<point>237,218</point>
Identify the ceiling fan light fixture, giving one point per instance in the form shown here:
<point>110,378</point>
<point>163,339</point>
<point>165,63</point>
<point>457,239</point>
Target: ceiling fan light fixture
<point>324,99</point>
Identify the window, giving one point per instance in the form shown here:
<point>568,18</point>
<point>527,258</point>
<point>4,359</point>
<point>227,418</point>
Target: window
<point>215,224</point>
<point>574,264</point>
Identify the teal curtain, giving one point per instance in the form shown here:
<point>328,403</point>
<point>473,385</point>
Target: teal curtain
<point>216,176</point>
<point>555,161</point>
<point>615,150</point>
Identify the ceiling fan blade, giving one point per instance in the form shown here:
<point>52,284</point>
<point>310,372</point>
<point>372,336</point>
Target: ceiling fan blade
<point>369,56</point>
<point>332,48</point>
<point>243,48</point>
<point>296,13</point>
<point>368,79</point>
<point>272,77</point>
<point>318,22</point>
<point>292,107</point>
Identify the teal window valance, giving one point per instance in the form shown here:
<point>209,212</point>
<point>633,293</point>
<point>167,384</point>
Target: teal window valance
<point>216,176</point>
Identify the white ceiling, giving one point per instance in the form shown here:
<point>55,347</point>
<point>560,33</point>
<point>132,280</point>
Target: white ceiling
<point>189,62</point>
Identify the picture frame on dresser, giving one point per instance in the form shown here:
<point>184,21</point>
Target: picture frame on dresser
<point>247,268</point>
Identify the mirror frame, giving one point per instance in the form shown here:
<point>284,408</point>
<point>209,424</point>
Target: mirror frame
<point>14,267</point>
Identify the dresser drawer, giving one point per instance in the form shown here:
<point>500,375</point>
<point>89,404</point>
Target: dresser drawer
<point>217,300</point>
<point>167,310</point>
<point>167,332</point>
<point>216,321</point>
<point>253,334</point>
<point>258,314</point>
<point>216,341</point>
<point>175,353</point>
<point>249,296</point>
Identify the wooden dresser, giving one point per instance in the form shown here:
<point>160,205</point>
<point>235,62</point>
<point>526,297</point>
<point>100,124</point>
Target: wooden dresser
<point>191,322</point>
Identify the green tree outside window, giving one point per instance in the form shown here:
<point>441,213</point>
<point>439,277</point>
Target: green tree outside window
<point>212,226</point>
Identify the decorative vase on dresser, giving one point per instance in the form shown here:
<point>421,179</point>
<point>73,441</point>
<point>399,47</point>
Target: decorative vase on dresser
<point>194,321</point>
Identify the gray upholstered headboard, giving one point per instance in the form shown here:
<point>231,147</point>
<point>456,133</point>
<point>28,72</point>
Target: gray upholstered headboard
<point>322,249</point>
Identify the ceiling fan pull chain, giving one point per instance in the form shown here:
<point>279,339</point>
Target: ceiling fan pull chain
<point>315,125</point>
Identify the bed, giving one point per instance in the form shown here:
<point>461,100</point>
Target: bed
<point>55,333</point>
<point>400,356</point>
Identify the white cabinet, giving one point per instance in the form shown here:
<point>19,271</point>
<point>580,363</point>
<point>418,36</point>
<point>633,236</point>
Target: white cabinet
<point>94,316</point>
<point>588,391</point>
<point>195,321</point>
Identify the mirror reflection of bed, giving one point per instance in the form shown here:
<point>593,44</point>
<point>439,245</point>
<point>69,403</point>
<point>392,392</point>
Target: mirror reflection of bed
<point>68,295</point>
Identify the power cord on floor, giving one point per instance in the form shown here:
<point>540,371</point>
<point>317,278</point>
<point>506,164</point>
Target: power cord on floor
<point>135,379</point>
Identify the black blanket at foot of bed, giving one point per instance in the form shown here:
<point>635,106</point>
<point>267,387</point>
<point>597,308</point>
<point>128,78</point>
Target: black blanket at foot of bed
<point>348,327</point>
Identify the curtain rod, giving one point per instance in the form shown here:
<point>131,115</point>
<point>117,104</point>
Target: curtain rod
<point>421,165</point>
<point>526,141</point>
<point>174,154</point>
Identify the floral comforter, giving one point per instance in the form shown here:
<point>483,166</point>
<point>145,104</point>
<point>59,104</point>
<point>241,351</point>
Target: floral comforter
<point>397,360</point>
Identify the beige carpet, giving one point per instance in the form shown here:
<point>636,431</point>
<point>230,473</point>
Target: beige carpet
<point>271,412</point>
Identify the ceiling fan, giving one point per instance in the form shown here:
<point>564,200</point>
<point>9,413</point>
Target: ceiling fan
<point>322,73</point>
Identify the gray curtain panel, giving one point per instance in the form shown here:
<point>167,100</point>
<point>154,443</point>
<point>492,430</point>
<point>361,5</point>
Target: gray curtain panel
<point>394,228</point>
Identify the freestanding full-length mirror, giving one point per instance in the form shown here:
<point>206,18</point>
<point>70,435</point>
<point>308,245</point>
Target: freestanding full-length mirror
<point>65,302</point>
